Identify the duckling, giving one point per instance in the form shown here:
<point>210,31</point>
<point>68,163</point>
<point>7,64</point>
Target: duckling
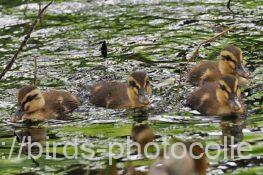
<point>231,62</point>
<point>222,98</point>
<point>52,104</point>
<point>117,95</point>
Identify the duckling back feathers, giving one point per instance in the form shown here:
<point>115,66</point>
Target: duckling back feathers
<point>109,94</point>
<point>206,71</point>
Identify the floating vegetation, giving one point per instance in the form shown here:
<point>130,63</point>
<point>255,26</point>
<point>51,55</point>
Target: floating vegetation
<point>77,43</point>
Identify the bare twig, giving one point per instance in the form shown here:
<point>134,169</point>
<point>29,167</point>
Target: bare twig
<point>24,12</point>
<point>23,44</point>
<point>39,10</point>
<point>228,5</point>
<point>35,72</point>
<point>196,52</point>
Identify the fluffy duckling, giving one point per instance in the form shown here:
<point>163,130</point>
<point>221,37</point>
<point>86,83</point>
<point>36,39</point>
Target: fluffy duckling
<point>231,62</point>
<point>222,98</point>
<point>117,95</point>
<point>47,105</point>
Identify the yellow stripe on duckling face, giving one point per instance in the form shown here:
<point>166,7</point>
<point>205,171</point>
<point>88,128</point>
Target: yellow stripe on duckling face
<point>226,53</point>
<point>147,86</point>
<point>225,86</point>
<point>33,92</point>
<point>146,82</point>
<point>228,63</point>
<point>223,91</point>
<point>132,91</point>
<point>241,56</point>
<point>139,90</point>
<point>33,101</point>
<point>221,96</point>
<point>133,84</point>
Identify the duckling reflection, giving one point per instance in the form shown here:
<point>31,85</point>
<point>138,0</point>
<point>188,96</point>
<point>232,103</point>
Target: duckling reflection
<point>117,95</point>
<point>185,165</point>
<point>232,127</point>
<point>29,135</point>
<point>36,134</point>
<point>53,104</point>
<point>231,62</point>
<point>142,133</point>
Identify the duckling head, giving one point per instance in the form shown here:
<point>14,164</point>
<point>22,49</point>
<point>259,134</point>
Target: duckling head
<point>139,88</point>
<point>30,99</point>
<point>228,93</point>
<point>232,62</point>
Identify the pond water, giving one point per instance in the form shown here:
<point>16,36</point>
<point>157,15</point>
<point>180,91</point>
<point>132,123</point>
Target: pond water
<point>156,36</point>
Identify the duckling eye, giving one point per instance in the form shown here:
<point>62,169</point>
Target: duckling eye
<point>223,87</point>
<point>228,58</point>
<point>132,84</point>
<point>147,82</point>
<point>31,97</point>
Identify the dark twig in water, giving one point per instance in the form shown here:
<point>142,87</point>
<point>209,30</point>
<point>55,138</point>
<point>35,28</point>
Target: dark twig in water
<point>104,49</point>
<point>23,44</point>
<point>39,10</point>
<point>196,52</point>
<point>25,10</point>
<point>35,72</point>
<point>228,5</point>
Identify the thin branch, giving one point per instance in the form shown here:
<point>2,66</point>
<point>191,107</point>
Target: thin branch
<point>196,52</point>
<point>25,10</point>
<point>228,5</point>
<point>35,72</point>
<point>23,44</point>
<point>39,10</point>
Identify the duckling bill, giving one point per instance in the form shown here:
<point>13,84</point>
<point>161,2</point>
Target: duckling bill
<point>222,98</point>
<point>231,62</point>
<point>117,95</point>
<point>53,104</point>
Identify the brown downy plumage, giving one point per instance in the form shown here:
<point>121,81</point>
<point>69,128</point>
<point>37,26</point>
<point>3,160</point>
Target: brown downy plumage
<point>52,104</point>
<point>117,95</point>
<point>231,62</point>
<point>142,134</point>
<point>183,164</point>
<point>222,98</point>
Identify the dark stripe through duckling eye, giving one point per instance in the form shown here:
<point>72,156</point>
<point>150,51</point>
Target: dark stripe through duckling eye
<point>133,84</point>
<point>28,99</point>
<point>224,88</point>
<point>228,58</point>
<point>31,97</point>
<point>147,82</point>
